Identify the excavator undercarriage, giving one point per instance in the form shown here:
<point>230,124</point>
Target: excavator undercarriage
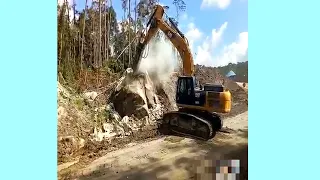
<point>189,122</point>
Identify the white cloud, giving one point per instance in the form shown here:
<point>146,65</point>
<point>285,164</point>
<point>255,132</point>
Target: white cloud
<point>234,52</point>
<point>184,20</point>
<point>217,34</point>
<point>221,4</point>
<point>193,34</point>
<point>212,51</point>
<point>203,54</point>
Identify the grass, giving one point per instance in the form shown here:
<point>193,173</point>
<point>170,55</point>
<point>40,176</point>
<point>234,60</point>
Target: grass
<point>79,103</point>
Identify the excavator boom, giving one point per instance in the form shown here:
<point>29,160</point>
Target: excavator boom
<point>176,37</point>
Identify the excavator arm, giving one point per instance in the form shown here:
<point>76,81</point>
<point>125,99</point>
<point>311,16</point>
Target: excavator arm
<point>178,40</point>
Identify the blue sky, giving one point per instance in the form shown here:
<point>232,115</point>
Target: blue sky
<point>217,30</point>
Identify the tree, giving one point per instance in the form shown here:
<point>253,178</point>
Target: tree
<point>93,40</point>
<point>83,30</point>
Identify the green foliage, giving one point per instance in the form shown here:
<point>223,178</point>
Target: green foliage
<point>79,103</point>
<point>180,5</point>
<point>102,117</point>
<point>241,70</point>
<point>84,43</point>
<point>114,66</point>
<point>71,35</point>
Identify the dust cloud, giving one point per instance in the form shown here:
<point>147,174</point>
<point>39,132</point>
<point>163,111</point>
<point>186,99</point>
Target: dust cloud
<point>159,58</point>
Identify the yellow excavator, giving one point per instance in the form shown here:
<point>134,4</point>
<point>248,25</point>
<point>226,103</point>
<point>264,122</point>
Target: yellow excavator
<point>198,106</point>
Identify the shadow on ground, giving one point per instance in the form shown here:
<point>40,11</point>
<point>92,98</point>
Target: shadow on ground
<point>188,166</point>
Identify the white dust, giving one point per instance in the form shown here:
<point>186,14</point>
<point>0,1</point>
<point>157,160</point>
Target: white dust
<point>159,58</point>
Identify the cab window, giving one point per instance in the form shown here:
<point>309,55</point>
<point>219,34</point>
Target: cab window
<point>182,86</point>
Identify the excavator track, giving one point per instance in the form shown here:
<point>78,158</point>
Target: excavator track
<point>199,125</point>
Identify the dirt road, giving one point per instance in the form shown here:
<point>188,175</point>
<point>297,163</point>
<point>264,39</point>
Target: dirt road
<point>173,157</point>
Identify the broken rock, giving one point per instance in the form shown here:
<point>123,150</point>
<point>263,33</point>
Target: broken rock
<point>134,95</point>
<point>90,95</point>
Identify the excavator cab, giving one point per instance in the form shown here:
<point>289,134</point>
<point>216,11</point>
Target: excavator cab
<point>187,92</point>
<point>211,98</point>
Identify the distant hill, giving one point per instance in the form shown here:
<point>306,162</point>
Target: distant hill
<point>241,70</point>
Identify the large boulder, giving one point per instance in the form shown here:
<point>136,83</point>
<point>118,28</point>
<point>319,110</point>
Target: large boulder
<point>133,105</point>
<point>135,95</point>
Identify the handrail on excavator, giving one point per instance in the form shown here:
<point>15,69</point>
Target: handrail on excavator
<point>176,37</point>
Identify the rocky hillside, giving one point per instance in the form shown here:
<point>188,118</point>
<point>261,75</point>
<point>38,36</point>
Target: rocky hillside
<point>134,104</point>
<point>87,125</point>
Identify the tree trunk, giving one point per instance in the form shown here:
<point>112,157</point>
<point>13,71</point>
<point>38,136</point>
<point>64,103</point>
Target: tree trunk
<point>68,48</point>
<point>106,45</point>
<point>129,34</point>
<point>108,35</point>
<point>99,51</point>
<point>83,29</point>
<point>74,12</point>
<point>135,24</point>
<point>67,5</point>
<point>94,40</point>
<point>61,19</point>
<point>124,30</point>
